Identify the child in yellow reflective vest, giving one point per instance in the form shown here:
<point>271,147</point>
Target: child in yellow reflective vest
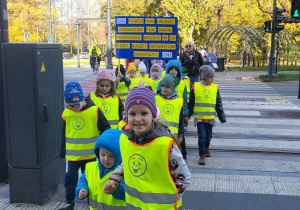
<point>170,106</point>
<point>143,75</point>
<point>97,173</point>
<point>154,171</point>
<point>174,67</point>
<point>131,73</point>
<point>205,101</point>
<point>155,73</point>
<point>81,126</point>
<point>106,99</point>
<point>123,84</point>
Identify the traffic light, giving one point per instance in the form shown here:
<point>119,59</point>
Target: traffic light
<point>295,10</point>
<point>279,19</point>
<point>268,26</point>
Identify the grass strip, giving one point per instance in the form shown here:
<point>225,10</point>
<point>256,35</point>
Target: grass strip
<point>280,78</point>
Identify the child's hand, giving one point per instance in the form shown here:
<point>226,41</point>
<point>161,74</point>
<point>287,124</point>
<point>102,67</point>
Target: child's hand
<point>82,193</point>
<point>120,74</point>
<point>186,119</point>
<point>179,140</point>
<point>110,187</point>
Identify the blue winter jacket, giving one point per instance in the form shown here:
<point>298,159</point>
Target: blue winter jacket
<point>177,64</point>
<point>109,140</point>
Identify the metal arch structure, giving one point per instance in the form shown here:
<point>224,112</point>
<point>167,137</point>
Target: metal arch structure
<point>251,41</point>
<point>284,41</point>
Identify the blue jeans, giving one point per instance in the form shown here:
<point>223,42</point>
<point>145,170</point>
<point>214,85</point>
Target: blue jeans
<point>204,136</point>
<point>71,178</point>
<point>194,79</point>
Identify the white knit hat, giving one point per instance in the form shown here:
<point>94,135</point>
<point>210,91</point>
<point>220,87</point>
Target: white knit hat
<point>142,67</point>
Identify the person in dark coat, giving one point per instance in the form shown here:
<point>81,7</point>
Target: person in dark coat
<point>192,60</point>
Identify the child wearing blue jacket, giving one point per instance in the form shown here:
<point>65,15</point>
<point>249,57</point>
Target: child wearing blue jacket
<point>97,173</point>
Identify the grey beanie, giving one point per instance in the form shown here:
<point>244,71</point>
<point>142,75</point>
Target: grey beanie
<point>169,80</point>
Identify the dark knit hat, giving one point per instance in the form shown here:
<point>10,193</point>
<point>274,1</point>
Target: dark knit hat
<point>122,69</point>
<point>141,95</point>
<point>169,80</point>
<point>206,71</point>
<point>73,93</point>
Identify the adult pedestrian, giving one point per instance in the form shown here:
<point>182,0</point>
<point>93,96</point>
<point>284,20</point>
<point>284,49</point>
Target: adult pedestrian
<point>94,53</point>
<point>192,60</point>
<point>211,59</point>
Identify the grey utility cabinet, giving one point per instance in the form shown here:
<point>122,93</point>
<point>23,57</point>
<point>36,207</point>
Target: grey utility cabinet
<point>33,74</point>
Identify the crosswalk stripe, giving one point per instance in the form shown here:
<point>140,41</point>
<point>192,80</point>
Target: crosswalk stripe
<point>254,184</point>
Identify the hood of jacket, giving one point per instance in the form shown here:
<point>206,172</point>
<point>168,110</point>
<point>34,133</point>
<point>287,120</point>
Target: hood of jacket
<point>177,65</point>
<point>159,69</point>
<point>109,140</point>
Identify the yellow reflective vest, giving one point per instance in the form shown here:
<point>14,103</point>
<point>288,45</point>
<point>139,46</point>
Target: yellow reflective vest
<point>145,79</point>
<point>205,101</point>
<point>153,84</point>
<point>97,198</point>
<point>180,88</point>
<point>121,124</point>
<point>109,106</point>
<point>97,51</point>
<point>169,112</point>
<point>81,133</point>
<point>123,90</point>
<point>148,183</point>
<point>135,81</point>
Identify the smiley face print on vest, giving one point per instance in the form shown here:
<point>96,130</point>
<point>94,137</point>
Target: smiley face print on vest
<point>137,165</point>
<point>168,109</point>
<point>106,108</point>
<point>78,123</point>
<point>206,93</point>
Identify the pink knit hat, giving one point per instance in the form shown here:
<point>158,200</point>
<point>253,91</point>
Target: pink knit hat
<point>105,74</point>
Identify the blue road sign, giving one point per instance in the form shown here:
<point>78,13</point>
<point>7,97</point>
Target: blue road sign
<point>146,37</point>
<point>27,36</point>
<point>49,38</point>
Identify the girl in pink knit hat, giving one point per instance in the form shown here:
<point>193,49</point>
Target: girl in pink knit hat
<point>106,99</point>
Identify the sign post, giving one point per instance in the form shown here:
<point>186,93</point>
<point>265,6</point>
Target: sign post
<point>146,37</point>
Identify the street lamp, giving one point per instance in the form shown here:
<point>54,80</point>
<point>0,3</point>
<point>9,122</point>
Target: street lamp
<point>109,64</point>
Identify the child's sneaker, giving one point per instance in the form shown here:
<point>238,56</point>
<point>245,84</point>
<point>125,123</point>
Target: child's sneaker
<point>68,206</point>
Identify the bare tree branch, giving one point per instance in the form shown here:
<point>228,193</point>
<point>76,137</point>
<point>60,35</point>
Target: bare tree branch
<point>261,9</point>
<point>282,6</point>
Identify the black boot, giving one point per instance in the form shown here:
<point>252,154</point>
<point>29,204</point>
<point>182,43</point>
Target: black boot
<point>68,206</point>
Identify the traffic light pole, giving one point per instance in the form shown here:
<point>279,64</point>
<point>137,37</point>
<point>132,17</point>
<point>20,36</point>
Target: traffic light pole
<point>271,58</point>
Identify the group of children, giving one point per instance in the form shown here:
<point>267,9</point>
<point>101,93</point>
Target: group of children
<point>141,142</point>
